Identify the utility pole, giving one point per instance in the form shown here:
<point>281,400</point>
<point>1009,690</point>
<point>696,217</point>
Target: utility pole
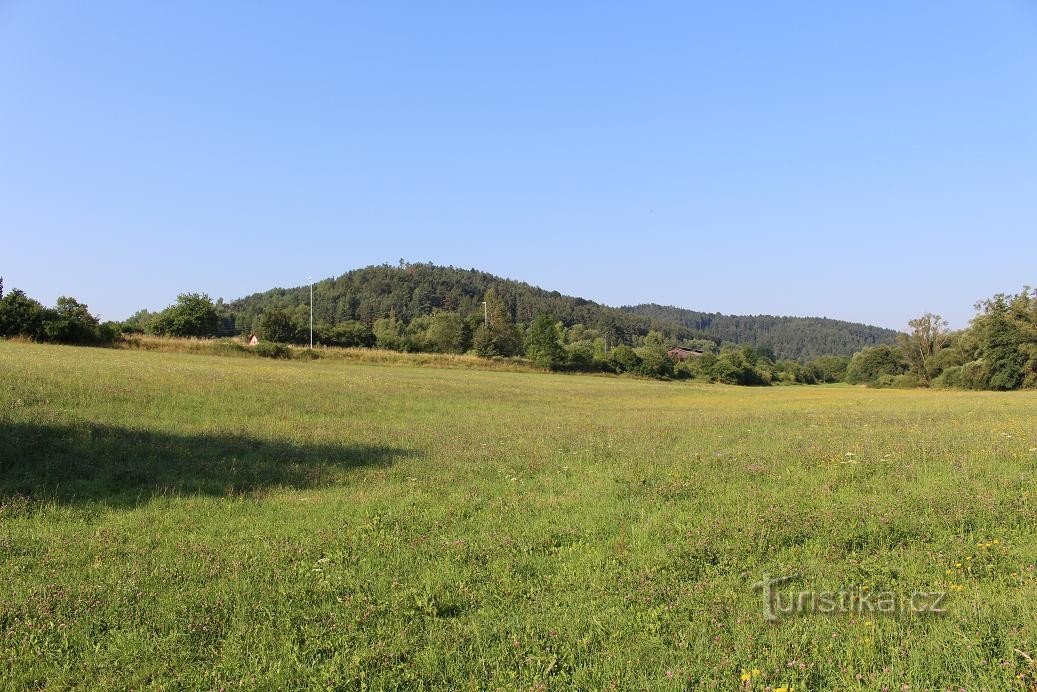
<point>311,312</point>
<point>485,314</point>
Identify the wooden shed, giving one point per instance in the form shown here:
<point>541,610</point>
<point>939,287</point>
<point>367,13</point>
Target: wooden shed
<point>680,353</point>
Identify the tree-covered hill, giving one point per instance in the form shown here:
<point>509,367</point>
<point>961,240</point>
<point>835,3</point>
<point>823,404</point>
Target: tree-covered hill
<point>800,338</point>
<point>408,291</point>
<point>411,290</point>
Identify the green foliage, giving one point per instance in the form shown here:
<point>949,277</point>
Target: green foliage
<point>584,355</point>
<point>348,334</point>
<point>137,322</point>
<point>652,354</point>
<point>704,345</point>
<point>279,326</point>
<point>868,365</point>
<point>410,291</point>
<point>544,343</point>
<point>999,349</point>
<point>271,349</point>
<point>440,332</point>
<point>388,333</point>
<point>194,314</point>
<point>20,315</point>
<point>499,336</point>
<point>622,358</point>
<point>792,338</point>
<point>921,347</point>
<point>791,372</point>
<point>1000,340</point>
<point>445,333</point>
<point>830,368</point>
<point>68,322</point>
<point>740,366</point>
<point>971,375</point>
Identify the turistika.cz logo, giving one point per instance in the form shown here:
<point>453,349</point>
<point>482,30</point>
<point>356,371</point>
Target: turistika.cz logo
<point>779,603</point>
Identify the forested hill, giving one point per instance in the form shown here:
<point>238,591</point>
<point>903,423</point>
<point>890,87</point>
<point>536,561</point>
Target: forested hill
<point>801,338</point>
<point>412,290</point>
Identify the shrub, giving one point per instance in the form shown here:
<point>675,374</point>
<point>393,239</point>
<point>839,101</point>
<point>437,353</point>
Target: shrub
<point>278,326</point>
<point>20,315</point>
<point>266,349</point>
<point>623,359</point>
<point>348,334</point>
<point>871,364</point>
<point>580,355</point>
<point>229,348</point>
<point>906,381</point>
<point>193,315</point>
<point>544,343</point>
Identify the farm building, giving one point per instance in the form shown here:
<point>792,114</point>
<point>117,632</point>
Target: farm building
<point>680,353</point>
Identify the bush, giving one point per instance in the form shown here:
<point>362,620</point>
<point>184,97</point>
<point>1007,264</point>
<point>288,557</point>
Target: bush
<point>229,348</point>
<point>871,365</point>
<point>906,381</point>
<point>580,355</point>
<point>623,359</point>
<point>829,368</point>
<point>307,354</point>
<point>70,322</point>
<point>193,315</point>
<point>971,375</point>
<point>266,349</point>
<point>544,343</point>
<point>685,370</point>
<point>278,326</point>
<point>736,367</point>
<point>348,334</point>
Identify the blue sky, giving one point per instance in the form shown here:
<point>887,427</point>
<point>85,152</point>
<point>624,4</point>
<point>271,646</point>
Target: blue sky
<point>861,160</point>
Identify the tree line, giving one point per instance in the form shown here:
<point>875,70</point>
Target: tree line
<point>997,351</point>
<point>68,322</point>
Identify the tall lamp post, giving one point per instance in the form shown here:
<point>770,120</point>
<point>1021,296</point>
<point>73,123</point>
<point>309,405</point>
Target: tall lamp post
<point>311,312</point>
<point>485,313</point>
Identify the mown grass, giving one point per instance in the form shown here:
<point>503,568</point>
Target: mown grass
<point>173,521</point>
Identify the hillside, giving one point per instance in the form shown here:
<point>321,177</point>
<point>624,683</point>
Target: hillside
<point>800,338</point>
<point>411,290</point>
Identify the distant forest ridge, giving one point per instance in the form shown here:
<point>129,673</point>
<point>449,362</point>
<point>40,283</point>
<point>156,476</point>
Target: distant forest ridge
<point>801,338</point>
<point>411,290</point>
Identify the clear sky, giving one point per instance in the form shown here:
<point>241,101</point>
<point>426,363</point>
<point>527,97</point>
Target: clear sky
<point>862,160</point>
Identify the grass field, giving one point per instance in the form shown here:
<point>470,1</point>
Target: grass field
<point>190,521</point>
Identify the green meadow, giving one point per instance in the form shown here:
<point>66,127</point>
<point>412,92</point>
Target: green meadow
<point>182,521</point>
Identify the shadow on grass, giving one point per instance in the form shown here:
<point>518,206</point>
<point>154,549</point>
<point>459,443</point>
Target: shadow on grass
<point>74,464</point>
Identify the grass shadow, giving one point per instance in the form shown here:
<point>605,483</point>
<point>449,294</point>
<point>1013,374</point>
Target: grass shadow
<point>84,463</point>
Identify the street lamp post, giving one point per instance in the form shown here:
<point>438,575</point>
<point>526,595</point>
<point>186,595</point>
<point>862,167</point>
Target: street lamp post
<point>311,312</point>
<point>485,314</point>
